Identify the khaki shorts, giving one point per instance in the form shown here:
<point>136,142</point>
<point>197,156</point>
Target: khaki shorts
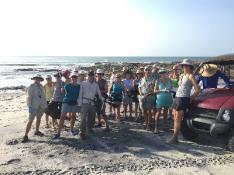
<point>36,112</point>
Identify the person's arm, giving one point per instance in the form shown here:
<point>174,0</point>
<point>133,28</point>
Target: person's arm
<point>225,79</point>
<point>99,92</point>
<point>29,96</point>
<point>80,98</point>
<point>196,87</point>
<point>198,79</point>
<point>111,88</point>
<point>156,90</point>
<point>106,88</point>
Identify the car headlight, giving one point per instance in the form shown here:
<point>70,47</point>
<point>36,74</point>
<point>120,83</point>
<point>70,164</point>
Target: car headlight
<point>226,115</point>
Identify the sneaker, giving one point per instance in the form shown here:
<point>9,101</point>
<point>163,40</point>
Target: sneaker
<point>74,132</point>
<point>82,136</point>
<point>56,136</point>
<point>25,139</point>
<point>38,133</point>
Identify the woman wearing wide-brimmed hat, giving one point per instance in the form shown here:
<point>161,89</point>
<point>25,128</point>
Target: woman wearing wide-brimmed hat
<point>183,96</point>
<point>36,101</point>
<point>210,74</point>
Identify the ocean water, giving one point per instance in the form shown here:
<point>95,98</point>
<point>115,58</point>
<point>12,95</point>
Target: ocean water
<point>9,77</point>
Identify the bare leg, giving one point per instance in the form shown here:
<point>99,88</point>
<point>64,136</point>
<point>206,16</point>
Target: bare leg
<point>28,127</point>
<point>125,110</point>
<point>136,109</point>
<point>130,109</point>
<point>177,125</point>
<point>47,120</point>
<point>38,122</point>
<point>61,122</point>
<point>73,119</point>
<point>165,116</point>
<point>157,115</point>
<point>118,114</point>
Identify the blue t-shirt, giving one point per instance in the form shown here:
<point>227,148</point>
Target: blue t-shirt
<point>212,82</point>
<point>71,93</point>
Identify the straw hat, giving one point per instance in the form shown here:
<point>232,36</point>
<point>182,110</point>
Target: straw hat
<point>99,71</point>
<point>186,62</point>
<point>208,70</point>
<point>38,76</point>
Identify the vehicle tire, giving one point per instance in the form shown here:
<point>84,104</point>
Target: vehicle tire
<point>230,144</point>
<point>187,133</point>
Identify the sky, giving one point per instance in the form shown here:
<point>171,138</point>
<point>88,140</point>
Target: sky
<point>116,27</point>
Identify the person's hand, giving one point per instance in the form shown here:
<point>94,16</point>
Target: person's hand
<point>30,109</point>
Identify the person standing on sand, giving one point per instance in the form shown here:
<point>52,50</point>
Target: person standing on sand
<point>147,97</point>
<point>174,76</point>
<point>164,98</point>
<point>183,99</point>
<point>136,81</point>
<point>36,101</point>
<point>129,87</point>
<point>49,90</point>
<point>103,86</point>
<point>69,105</point>
<point>112,79</point>
<point>88,91</point>
<point>54,108</point>
<point>116,92</point>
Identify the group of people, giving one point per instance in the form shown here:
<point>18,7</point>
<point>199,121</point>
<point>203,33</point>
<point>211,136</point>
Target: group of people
<point>152,89</point>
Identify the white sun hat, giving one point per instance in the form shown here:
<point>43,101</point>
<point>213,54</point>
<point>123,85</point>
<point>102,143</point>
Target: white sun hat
<point>48,77</point>
<point>187,62</point>
<point>99,71</point>
<point>38,76</point>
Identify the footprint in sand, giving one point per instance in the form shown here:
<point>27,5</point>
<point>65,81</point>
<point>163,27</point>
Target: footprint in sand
<point>12,161</point>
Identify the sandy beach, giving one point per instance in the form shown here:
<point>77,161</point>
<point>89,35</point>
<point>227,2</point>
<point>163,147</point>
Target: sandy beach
<point>127,149</point>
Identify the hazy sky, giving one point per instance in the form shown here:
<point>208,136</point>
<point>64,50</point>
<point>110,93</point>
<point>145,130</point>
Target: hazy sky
<point>116,27</point>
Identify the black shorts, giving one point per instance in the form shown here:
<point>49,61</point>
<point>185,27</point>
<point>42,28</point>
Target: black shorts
<point>54,109</point>
<point>47,109</point>
<point>181,103</point>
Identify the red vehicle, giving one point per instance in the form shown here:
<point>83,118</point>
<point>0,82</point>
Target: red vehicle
<point>212,112</point>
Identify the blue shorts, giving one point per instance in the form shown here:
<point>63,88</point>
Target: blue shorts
<point>66,108</point>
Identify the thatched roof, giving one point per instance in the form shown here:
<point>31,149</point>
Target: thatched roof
<point>221,60</point>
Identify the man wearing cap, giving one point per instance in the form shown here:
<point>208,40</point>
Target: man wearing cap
<point>103,86</point>
<point>49,89</point>
<point>89,90</point>
<point>36,101</point>
<point>81,76</point>
<point>210,74</point>
<point>147,97</point>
